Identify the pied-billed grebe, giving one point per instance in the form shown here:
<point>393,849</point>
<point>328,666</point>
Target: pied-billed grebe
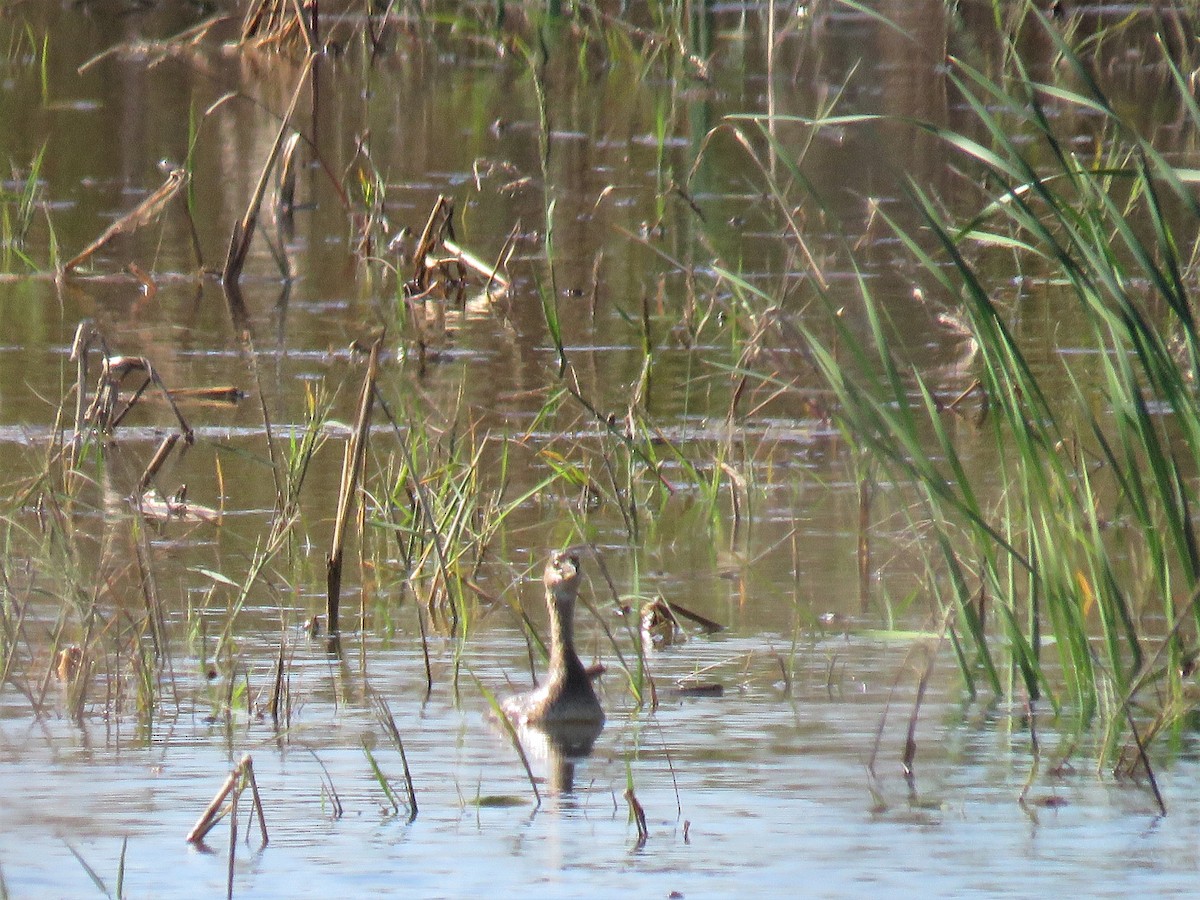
<point>566,697</point>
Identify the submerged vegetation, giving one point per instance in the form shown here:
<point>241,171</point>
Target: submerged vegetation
<point>996,362</point>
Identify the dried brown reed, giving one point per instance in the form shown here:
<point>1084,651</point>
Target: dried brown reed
<point>352,468</point>
<point>638,814</point>
<point>279,23</point>
<point>243,231</point>
<point>239,779</point>
<point>145,213</point>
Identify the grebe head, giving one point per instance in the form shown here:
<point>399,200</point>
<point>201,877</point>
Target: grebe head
<point>562,579</point>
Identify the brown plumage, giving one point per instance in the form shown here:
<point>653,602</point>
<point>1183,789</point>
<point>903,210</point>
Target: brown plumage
<point>566,696</point>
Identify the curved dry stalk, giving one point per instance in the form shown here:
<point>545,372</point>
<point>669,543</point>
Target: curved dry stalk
<point>143,214</point>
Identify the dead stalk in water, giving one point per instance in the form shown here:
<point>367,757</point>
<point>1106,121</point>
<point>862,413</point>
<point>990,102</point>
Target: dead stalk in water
<point>144,213</point>
<point>239,779</point>
<point>352,466</point>
<point>437,227</point>
<point>243,231</point>
<point>638,814</point>
<point>156,463</point>
<point>103,413</point>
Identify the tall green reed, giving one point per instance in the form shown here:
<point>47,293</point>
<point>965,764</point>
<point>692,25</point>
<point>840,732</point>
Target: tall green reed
<point>1066,548</point>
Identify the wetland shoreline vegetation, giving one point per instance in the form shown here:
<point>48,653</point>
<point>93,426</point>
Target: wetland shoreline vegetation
<point>626,292</point>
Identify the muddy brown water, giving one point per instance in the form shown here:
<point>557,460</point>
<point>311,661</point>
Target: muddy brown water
<point>763,788</point>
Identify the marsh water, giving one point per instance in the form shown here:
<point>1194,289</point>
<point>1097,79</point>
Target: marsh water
<point>760,780</point>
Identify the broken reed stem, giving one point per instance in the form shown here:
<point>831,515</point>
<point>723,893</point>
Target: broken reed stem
<point>352,466</point>
<point>160,457</point>
<point>471,261</point>
<point>243,231</point>
<point>212,815</point>
<point>233,830</point>
<point>241,776</point>
<point>639,817</point>
<point>437,226</point>
<point>143,214</point>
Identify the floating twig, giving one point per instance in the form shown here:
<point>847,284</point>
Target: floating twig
<point>220,394</point>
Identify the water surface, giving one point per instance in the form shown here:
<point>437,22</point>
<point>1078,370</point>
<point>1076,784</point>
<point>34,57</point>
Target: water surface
<point>766,787</point>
